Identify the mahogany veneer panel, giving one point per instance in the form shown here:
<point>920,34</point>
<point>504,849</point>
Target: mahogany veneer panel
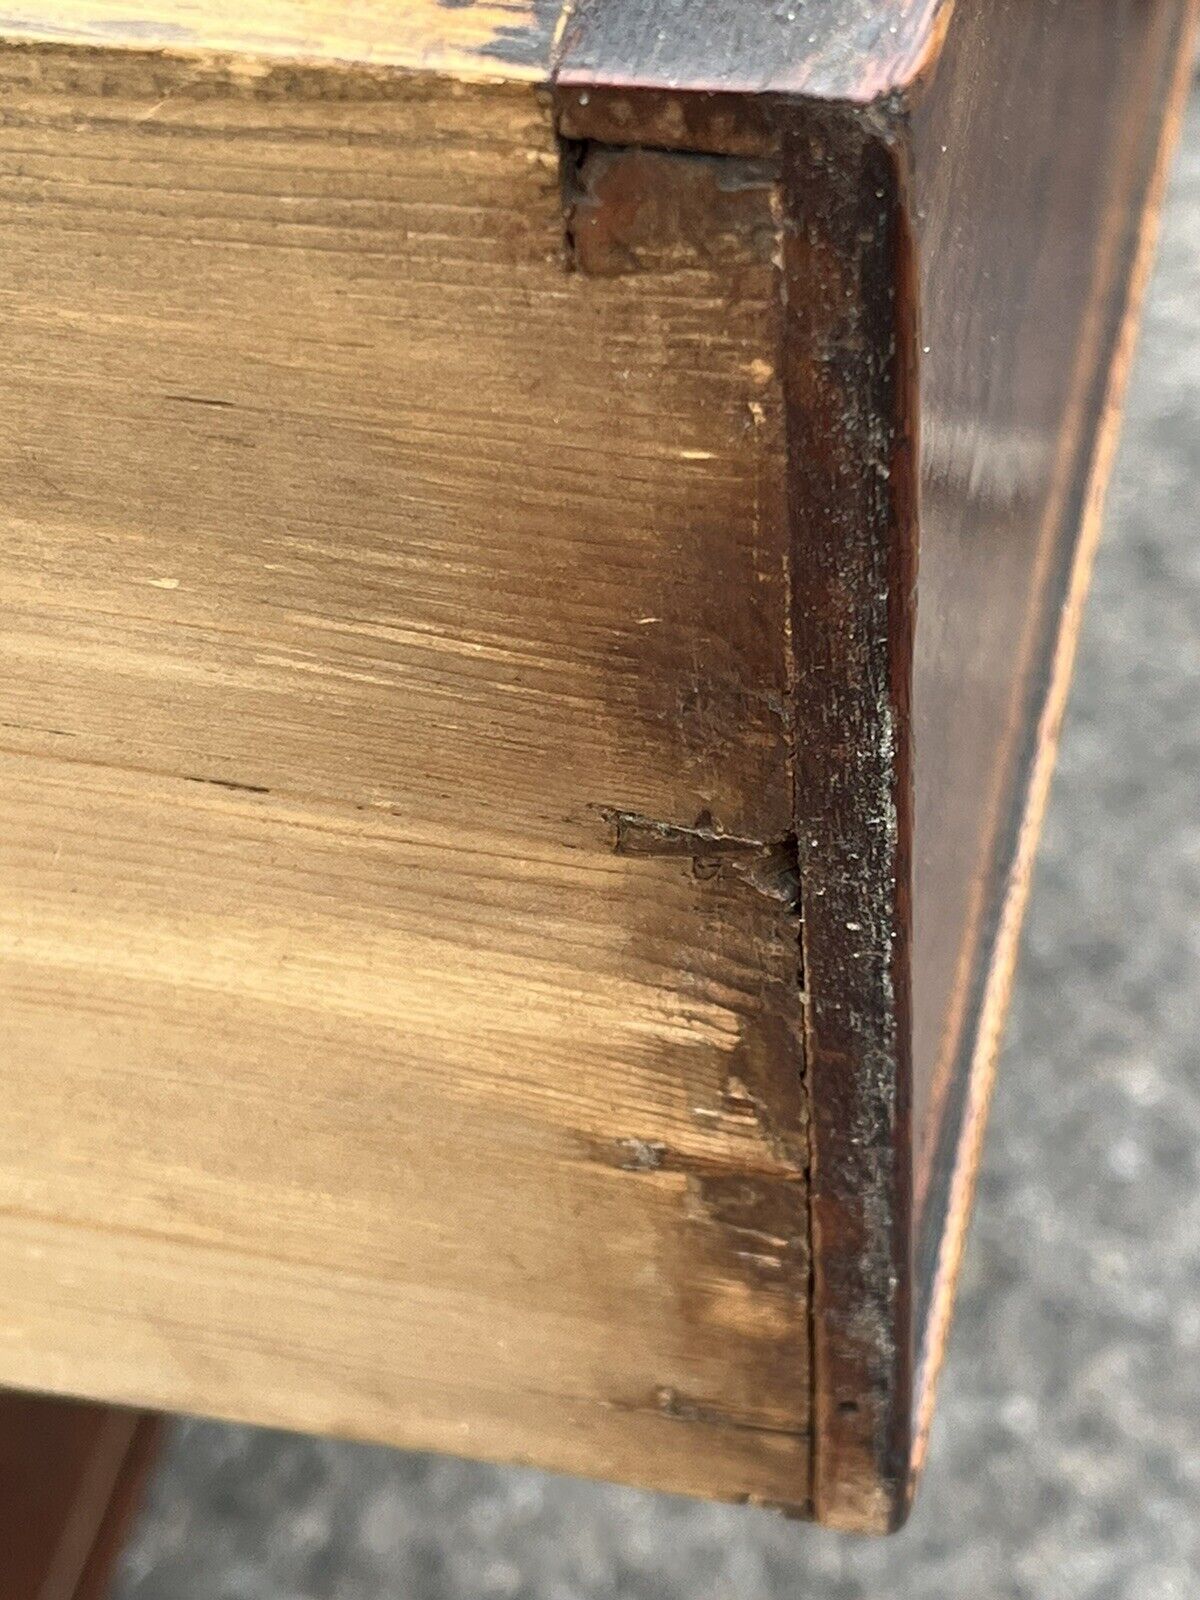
<point>70,1476</point>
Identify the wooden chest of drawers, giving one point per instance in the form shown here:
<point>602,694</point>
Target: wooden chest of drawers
<point>541,555</point>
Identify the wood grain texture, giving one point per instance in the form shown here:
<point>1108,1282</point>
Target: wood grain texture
<point>463,40</point>
<point>400,958</point>
<point>960,242</point>
<point>856,50</point>
<point>535,539</point>
<point>71,1475</point>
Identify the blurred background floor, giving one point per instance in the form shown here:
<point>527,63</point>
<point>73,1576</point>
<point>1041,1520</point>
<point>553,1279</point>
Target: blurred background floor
<point>1066,1455</point>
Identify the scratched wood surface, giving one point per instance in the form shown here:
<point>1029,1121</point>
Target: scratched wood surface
<point>509,41</point>
<point>536,540</point>
<point>965,194</point>
<point>400,961</point>
<point>856,50</point>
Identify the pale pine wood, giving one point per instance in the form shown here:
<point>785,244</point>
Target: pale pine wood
<point>360,562</point>
<point>467,40</point>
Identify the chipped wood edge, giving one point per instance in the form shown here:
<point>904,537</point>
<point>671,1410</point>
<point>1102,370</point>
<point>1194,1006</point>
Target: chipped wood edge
<point>858,1309</point>
<point>578,46</point>
<point>850,248</point>
<point>471,55</point>
<point>858,1075</point>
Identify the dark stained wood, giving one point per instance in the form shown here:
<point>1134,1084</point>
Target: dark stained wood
<point>840,50</point>
<point>71,1474</point>
<point>848,379</point>
<point>728,78</point>
<point>960,250</point>
<point>1028,339</point>
<point>1020,340</point>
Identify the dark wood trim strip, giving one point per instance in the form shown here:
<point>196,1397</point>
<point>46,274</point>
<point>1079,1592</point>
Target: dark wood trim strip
<point>849,381</point>
<point>71,1476</point>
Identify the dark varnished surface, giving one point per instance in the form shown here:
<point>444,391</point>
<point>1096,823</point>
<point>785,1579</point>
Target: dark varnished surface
<point>70,1477</point>
<point>854,50</point>
<point>730,78</point>
<point>1028,222</point>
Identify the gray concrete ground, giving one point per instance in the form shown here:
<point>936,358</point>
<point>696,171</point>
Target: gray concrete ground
<point>1066,1456</point>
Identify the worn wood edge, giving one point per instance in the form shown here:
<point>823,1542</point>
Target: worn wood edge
<point>849,251</point>
<point>689,99</point>
<point>744,50</point>
<point>666,1412</point>
<point>1006,945</point>
<point>665,75</point>
<point>464,46</point>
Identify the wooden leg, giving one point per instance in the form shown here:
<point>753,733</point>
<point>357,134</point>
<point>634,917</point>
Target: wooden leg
<point>71,1474</point>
